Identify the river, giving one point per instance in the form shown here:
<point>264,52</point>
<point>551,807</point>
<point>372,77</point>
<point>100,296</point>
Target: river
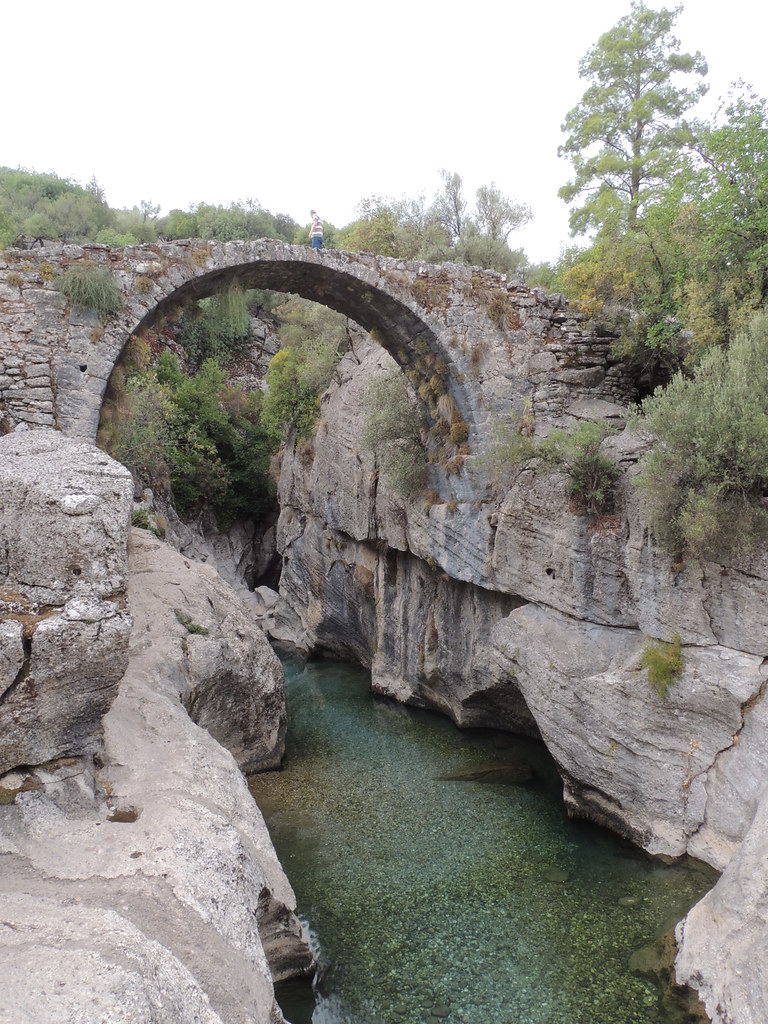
<point>442,880</point>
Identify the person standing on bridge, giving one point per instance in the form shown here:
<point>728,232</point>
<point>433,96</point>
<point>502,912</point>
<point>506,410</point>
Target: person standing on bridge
<point>316,231</point>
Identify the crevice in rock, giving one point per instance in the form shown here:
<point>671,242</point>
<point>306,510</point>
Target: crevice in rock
<point>21,675</point>
<point>746,707</point>
<point>705,609</point>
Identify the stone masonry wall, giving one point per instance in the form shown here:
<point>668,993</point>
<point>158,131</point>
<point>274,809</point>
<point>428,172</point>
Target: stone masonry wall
<point>498,344</point>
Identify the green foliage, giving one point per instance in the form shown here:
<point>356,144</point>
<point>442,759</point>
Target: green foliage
<point>314,338</point>
<point>627,131</point>
<point>289,404</point>
<point>188,623</point>
<point>91,288</point>
<point>179,224</point>
<point>217,328</point>
<point>140,437</point>
<point>238,221</point>
<point>392,433</point>
<point>196,433</point>
<point>443,230</point>
<point>591,474</point>
<point>221,450</point>
<point>723,223</point>
<point>140,518</point>
<point>509,445</point>
<point>49,207</point>
<point>664,662</point>
<point>696,269</point>
<point>706,479</point>
<point>8,229</point>
<point>375,230</point>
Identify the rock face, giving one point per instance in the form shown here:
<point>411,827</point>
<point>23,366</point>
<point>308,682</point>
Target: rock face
<point>518,613</point>
<point>64,521</point>
<point>137,870</point>
<point>722,940</point>
<point>228,678</point>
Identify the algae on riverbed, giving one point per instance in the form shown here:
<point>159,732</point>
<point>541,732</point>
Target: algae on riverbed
<point>477,902</point>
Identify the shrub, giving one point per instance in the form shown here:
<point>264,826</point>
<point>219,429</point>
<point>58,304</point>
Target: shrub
<point>459,431</point>
<point>216,328</point>
<point>288,404</point>
<point>591,474</point>
<point>508,447</point>
<point>116,239</point>
<point>91,289</point>
<point>707,476</point>
<point>664,662</point>
<point>140,518</point>
<point>143,438</point>
<point>392,432</point>
<point>188,623</point>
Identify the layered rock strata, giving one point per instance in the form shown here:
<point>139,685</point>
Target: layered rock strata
<point>520,613</point>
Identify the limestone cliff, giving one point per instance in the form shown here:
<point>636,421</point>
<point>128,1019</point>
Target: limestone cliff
<point>519,613</point>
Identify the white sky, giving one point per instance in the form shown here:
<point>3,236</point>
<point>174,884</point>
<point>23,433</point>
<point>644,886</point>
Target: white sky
<point>298,104</point>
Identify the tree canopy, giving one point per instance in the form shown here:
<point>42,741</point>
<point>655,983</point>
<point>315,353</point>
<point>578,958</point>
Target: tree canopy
<point>626,132</point>
<point>445,229</point>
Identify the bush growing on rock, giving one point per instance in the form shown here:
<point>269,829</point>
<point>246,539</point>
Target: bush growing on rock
<point>591,474</point>
<point>706,479</point>
<point>664,662</point>
<point>392,433</point>
<point>91,289</point>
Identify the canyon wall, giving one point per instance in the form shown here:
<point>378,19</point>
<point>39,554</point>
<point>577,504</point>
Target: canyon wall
<point>517,612</point>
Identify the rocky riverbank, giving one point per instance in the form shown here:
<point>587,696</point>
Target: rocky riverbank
<point>138,877</point>
<point>516,612</point>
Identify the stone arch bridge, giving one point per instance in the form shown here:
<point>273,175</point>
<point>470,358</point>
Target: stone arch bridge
<point>493,344</point>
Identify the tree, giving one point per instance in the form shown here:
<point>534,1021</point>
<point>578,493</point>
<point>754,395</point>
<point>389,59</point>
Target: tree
<point>723,220</point>
<point>627,131</point>
<point>374,230</point>
<point>449,207</point>
<point>496,215</point>
<point>392,432</point>
<point>148,209</point>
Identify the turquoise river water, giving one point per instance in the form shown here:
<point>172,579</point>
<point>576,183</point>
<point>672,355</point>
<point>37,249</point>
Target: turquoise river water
<point>465,900</point>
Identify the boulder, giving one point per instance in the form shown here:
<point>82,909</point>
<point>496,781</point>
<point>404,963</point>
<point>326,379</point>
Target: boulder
<point>64,522</point>
<point>227,675</point>
<point>150,883</point>
<point>65,513</point>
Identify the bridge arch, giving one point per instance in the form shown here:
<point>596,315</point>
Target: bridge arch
<point>498,345</point>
